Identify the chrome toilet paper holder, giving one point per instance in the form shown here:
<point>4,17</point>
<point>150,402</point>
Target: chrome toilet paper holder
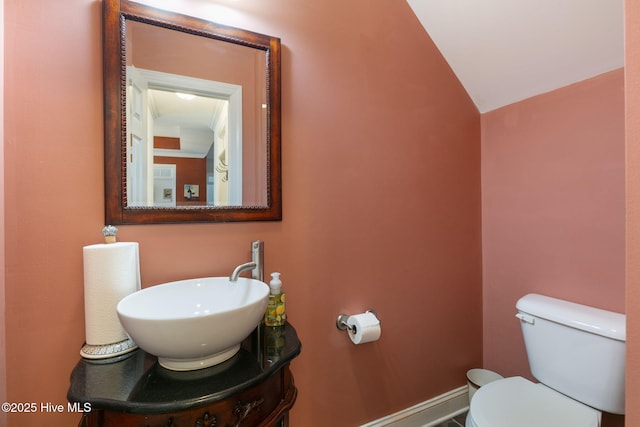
<point>341,322</point>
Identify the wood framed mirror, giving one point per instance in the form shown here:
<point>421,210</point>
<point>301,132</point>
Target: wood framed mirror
<point>192,119</point>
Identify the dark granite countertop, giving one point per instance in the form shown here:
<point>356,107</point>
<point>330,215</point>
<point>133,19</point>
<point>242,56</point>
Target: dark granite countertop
<point>136,383</point>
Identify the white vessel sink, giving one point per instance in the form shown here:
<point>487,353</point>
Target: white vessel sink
<point>196,323</point>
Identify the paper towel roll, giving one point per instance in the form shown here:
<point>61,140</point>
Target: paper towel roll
<point>111,272</point>
<point>364,327</point>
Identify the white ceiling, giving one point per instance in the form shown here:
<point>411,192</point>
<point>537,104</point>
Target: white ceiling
<point>504,51</point>
<point>191,118</point>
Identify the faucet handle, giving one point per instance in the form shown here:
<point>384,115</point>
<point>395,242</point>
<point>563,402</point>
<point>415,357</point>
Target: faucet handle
<point>257,256</point>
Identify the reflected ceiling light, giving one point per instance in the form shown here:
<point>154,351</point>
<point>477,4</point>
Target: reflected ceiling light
<point>185,96</point>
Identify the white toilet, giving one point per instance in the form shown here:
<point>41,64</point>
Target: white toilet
<point>578,355</point>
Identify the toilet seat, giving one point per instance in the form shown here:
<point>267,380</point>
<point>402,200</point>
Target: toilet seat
<point>516,401</point>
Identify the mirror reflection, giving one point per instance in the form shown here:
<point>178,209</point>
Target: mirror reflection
<point>190,150</point>
<point>189,135</point>
<point>192,119</point>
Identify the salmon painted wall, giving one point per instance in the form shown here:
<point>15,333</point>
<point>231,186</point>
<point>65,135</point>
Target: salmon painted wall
<point>381,177</point>
<point>552,207</point>
<point>3,353</point>
<point>632,92</point>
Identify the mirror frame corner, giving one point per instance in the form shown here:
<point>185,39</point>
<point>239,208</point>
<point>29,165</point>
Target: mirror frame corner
<point>115,14</point>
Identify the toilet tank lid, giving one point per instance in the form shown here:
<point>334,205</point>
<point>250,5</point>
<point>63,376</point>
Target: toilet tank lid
<point>590,319</point>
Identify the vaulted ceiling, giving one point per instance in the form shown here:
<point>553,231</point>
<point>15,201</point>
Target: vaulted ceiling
<point>504,51</point>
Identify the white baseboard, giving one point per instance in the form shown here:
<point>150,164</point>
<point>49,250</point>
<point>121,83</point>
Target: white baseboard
<point>428,413</point>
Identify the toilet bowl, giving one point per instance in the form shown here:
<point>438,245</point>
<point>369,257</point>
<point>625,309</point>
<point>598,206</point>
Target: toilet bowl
<point>515,401</point>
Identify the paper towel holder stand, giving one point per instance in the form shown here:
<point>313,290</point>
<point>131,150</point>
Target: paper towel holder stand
<point>341,322</point>
<point>106,351</point>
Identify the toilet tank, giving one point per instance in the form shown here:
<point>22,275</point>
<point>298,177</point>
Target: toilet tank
<point>575,349</point>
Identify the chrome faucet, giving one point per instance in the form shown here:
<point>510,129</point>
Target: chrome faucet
<point>256,264</point>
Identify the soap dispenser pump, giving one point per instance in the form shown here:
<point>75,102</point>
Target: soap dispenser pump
<point>275,314</point>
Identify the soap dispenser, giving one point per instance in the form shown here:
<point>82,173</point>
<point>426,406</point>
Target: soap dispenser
<point>275,314</point>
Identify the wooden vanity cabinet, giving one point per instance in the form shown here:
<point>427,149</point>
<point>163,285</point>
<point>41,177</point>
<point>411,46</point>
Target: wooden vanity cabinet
<point>257,389</point>
<point>265,405</point>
